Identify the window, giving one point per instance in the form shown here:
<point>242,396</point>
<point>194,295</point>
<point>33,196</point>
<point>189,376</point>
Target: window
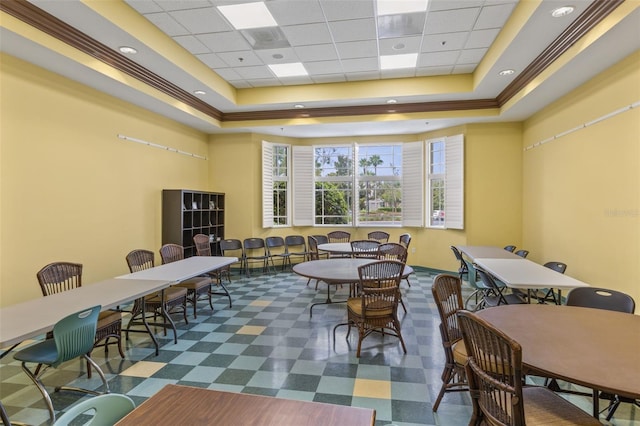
<point>445,182</point>
<point>379,184</point>
<point>276,183</point>
<point>334,185</point>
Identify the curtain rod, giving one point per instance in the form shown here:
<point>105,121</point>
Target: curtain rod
<point>166,148</point>
<point>587,124</point>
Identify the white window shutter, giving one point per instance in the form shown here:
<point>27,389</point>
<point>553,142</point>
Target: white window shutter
<point>303,186</point>
<point>413,184</point>
<point>454,182</point>
<point>267,185</point>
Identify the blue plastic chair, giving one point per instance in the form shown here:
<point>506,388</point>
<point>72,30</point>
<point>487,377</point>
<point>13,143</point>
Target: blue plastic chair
<point>73,337</point>
<point>108,409</point>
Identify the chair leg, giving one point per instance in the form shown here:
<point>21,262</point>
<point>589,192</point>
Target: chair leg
<point>43,391</point>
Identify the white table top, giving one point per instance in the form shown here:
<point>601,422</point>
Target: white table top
<point>34,317</point>
<point>487,252</point>
<point>343,248</point>
<point>182,269</point>
<point>523,273</point>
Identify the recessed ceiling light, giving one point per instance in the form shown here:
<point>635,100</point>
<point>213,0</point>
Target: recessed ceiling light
<point>562,11</point>
<point>127,50</point>
<point>506,72</point>
<point>395,7</point>
<point>390,62</point>
<point>398,46</point>
<point>298,106</point>
<point>392,101</point>
<point>199,92</point>
<point>248,15</point>
<point>294,69</point>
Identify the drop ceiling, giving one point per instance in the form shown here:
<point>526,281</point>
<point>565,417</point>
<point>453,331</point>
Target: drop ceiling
<point>188,46</point>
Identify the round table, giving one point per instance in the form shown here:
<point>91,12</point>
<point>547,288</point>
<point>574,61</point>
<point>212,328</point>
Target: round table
<point>331,271</point>
<point>595,348</point>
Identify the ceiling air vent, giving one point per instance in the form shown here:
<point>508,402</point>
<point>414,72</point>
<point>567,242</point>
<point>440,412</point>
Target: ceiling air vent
<point>265,38</point>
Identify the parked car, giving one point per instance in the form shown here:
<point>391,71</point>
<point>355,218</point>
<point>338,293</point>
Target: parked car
<point>438,216</point>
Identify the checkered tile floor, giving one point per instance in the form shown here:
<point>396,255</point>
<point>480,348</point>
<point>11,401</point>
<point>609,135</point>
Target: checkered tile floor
<point>267,344</point>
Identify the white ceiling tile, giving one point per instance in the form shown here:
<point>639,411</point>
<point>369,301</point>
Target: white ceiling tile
<point>411,45</point>
<point>228,74</point>
<point>182,4</point>
<point>252,73</point>
<point>144,6</point>
<point>212,60</point>
<point>224,42</point>
<point>316,52</point>
<point>464,69</point>
<point>282,56</point>
<point>398,73</point>
<point>201,21</point>
<point>481,38</point>
<point>435,5</point>
<point>329,78</point>
<point>494,16</point>
<point>295,12</point>
<point>337,10</point>
<point>437,59</point>
<point>245,58</point>
<point>471,56</point>
<point>452,41</point>
<point>192,44</point>
<point>451,21</point>
<point>240,84</point>
<point>360,65</point>
<point>302,35</point>
<point>323,67</point>
<point>167,24</point>
<point>361,76</point>
<point>298,80</point>
<point>353,30</point>
<point>265,82</point>
<point>430,71</point>
<point>357,49</point>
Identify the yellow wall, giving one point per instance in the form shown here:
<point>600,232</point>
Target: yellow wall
<point>70,188</point>
<point>581,201</point>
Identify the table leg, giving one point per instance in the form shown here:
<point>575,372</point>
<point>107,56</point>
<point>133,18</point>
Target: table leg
<point>328,301</point>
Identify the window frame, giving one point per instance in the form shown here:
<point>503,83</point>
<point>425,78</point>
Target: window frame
<point>269,180</point>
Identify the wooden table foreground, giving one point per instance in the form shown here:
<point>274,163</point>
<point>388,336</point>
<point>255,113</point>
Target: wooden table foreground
<point>186,405</point>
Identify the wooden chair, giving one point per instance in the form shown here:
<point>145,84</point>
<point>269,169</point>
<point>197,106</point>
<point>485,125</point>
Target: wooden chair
<point>379,236</point>
<point>405,240</point>
<point>175,298</point>
<point>338,237</point>
<point>57,277</point>
<point>314,254</point>
<point>494,374</point>
<point>203,248</point>
<point>197,287</point>
<point>376,307</point>
<point>447,293</point>
<point>365,249</point>
<point>73,337</point>
<point>395,251</point>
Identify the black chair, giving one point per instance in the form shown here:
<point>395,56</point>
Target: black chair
<point>462,268</point>
<point>405,240</point>
<point>497,295</point>
<point>296,247</point>
<point>549,295</point>
<point>522,253</point>
<point>447,293</point>
<point>231,247</point>
<point>339,237</point>
<point>510,248</point>
<point>276,248</point>
<point>255,251</point>
<point>611,300</point>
